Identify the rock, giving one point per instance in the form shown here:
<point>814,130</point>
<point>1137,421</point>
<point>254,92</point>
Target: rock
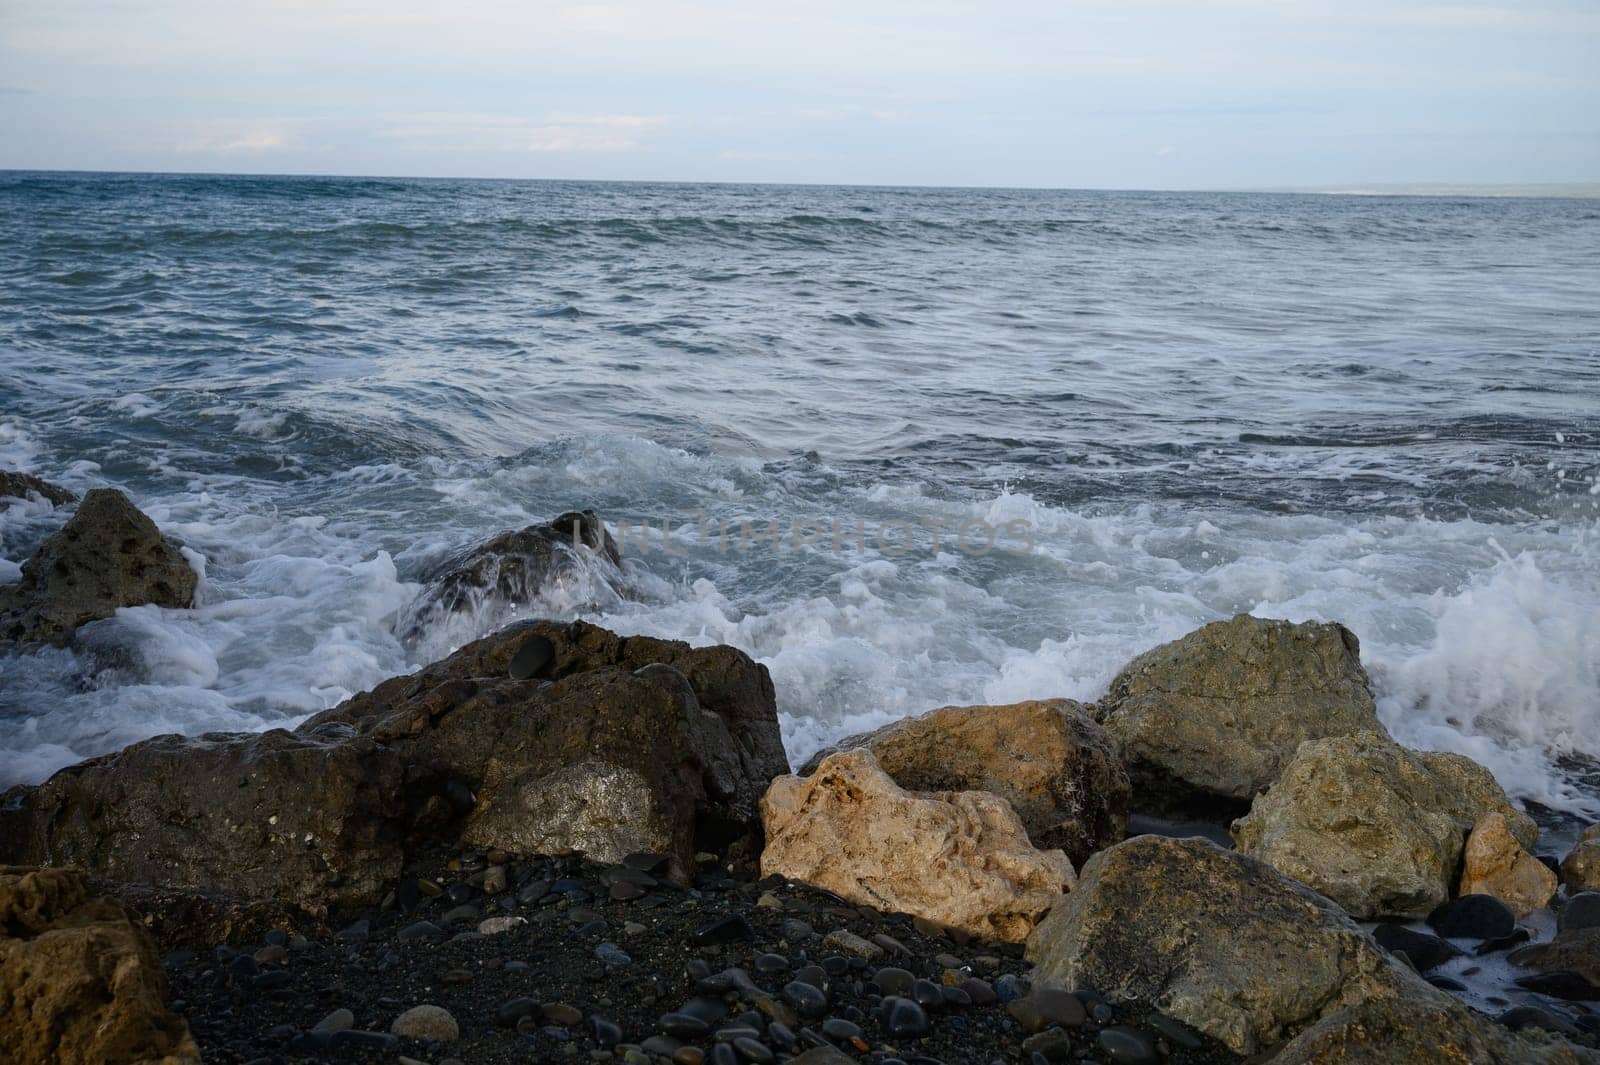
<point>14,486</point>
<point>1572,951</point>
<point>1219,713</point>
<point>79,982</point>
<point>1375,827</point>
<point>1128,1046</point>
<point>1473,917</point>
<point>1425,951</point>
<point>1580,911</point>
<point>432,1024</point>
<point>1219,941</point>
<point>1049,759</point>
<point>630,744</point>
<point>961,859</point>
<point>108,555</point>
<point>516,567</point>
<point>1580,870</point>
<point>1566,985</point>
<point>1496,864</point>
<point>1401,1031</point>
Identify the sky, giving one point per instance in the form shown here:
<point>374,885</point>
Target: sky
<point>1071,93</point>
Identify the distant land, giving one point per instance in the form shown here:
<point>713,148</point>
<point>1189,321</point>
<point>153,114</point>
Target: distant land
<point>1565,191</point>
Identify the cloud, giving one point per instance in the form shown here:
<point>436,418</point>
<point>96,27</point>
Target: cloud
<point>574,139</point>
<point>236,138</point>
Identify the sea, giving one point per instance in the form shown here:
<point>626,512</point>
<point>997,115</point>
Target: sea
<point>907,447</point>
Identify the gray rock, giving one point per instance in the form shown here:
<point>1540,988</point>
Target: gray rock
<point>1218,714</point>
<point>1233,948</point>
<point>1375,827</point>
<point>108,555</point>
<point>427,1022</point>
<point>14,486</point>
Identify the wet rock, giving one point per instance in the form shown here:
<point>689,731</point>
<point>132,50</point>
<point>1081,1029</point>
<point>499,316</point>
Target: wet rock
<point>635,745</point>
<point>1580,870</point>
<point>1580,911</point>
<point>1570,986</point>
<point>79,982</point>
<point>14,486</point>
<point>1377,828</point>
<point>1128,1046</point>
<point>427,1022</point>
<point>1057,768</point>
<point>1496,864</point>
<point>108,555</point>
<point>515,568</point>
<point>1222,942</point>
<point>1220,712</point>
<point>1574,951</point>
<point>1425,951</point>
<point>1473,917</point>
<point>961,859</point>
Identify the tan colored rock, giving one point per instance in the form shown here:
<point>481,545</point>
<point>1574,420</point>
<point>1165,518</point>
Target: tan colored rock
<point>1580,870</point>
<point>1235,949</point>
<point>1048,758</point>
<point>79,982</point>
<point>961,859</point>
<point>1377,828</point>
<point>1496,864</point>
<point>1220,712</point>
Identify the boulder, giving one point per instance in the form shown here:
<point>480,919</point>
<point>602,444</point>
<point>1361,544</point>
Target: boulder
<point>79,982</point>
<point>1402,1031</point>
<point>1576,950</point>
<point>1496,864</point>
<point>515,567</point>
<point>1235,949</point>
<point>15,486</point>
<point>606,745</point>
<point>1049,759</point>
<point>1377,828</point>
<point>960,859</point>
<point>1580,870</point>
<point>1217,714</point>
<point>108,555</point>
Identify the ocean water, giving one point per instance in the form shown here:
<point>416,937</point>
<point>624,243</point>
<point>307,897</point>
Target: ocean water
<point>1168,408</point>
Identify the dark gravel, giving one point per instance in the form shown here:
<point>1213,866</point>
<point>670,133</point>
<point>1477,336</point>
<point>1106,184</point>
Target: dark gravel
<point>612,965</point>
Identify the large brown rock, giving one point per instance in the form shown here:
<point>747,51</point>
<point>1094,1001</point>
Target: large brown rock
<point>613,744</point>
<point>1580,870</point>
<point>108,555</point>
<point>961,859</point>
<point>79,983</point>
<point>1377,828</point>
<point>1494,863</point>
<point>1049,759</point>
<point>25,485</point>
<point>1232,947</point>
<point>1219,713</point>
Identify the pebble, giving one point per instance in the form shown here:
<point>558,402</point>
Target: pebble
<point>494,880</point>
<point>493,926</point>
<point>1129,1046</point>
<point>1175,1031</point>
<point>902,1017</point>
<point>272,954</point>
<point>514,1010</point>
<point>611,954</point>
<point>752,1050</point>
<point>420,930</point>
<point>1047,1006</point>
<point>795,930</point>
<point>561,1013</point>
<point>337,1021</point>
<point>626,891</point>
<point>427,1022</point>
<point>728,929</point>
<point>683,1026</point>
<point>688,1056</point>
<point>894,980</point>
<point>809,1001</point>
<point>851,943</point>
<point>605,1032</point>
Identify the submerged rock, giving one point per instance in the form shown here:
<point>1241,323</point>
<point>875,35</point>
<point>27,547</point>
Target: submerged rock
<point>1220,712</point>
<point>79,982</point>
<point>620,745</point>
<point>1496,864</point>
<point>1572,951</point>
<point>25,486</point>
<point>960,859</point>
<point>1235,949</point>
<point>108,555</point>
<point>1049,759</point>
<point>1377,828</point>
<point>1580,870</point>
<point>514,568</point>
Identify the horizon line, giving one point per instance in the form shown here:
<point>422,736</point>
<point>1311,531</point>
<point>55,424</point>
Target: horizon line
<point>1439,189</point>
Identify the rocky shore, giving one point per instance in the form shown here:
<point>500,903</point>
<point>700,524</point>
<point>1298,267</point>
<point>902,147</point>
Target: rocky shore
<point>562,844</point>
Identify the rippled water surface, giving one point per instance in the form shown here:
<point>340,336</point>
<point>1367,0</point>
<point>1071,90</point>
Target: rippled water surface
<point>1379,411</point>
